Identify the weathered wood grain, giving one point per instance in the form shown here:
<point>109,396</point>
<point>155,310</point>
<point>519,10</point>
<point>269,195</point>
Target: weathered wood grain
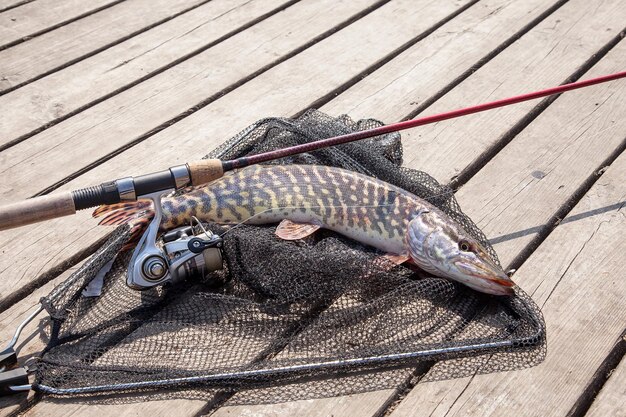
<point>8,4</point>
<point>405,83</point>
<point>32,18</point>
<point>544,57</point>
<point>575,276</point>
<point>80,140</point>
<point>611,401</point>
<point>63,92</point>
<point>561,127</point>
<point>187,132</point>
<point>69,42</point>
<point>274,32</point>
<point>545,164</point>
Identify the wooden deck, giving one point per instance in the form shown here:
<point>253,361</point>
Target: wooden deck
<point>99,89</point>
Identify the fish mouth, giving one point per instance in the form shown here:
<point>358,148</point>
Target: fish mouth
<point>485,277</point>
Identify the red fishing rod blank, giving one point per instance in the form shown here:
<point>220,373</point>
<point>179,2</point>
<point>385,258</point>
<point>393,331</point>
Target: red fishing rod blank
<point>395,127</point>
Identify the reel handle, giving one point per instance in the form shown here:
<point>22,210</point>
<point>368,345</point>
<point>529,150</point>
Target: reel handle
<point>36,210</point>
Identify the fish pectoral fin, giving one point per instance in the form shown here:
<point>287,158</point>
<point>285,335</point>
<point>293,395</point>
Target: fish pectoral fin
<point>389,261</point>
<point>396,259</point>
<point>289,230</point>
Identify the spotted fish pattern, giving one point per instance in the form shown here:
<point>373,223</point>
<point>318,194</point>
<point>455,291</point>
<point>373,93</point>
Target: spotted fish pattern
<point>358,206</point>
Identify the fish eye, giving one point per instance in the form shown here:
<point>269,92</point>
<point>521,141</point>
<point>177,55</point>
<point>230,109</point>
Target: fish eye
<point>465,246</point>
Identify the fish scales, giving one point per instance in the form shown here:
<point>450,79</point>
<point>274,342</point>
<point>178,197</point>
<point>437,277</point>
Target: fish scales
<point>355,205</point>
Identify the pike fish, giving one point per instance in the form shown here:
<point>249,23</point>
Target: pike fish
<point>304,198</point>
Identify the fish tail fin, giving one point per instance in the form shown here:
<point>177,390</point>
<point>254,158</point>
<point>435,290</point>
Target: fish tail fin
<point>137,214</point>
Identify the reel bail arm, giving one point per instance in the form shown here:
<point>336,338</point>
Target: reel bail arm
<point>178,254</point>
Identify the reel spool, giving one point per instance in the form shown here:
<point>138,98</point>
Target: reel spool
<point>176,255</point>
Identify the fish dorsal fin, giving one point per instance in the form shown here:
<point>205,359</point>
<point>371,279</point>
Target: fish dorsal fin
<point>289,230</point>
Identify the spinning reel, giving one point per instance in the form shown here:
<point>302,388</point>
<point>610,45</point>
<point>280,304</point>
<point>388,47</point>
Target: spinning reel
<point>172,257</point>
<point>176,255</point>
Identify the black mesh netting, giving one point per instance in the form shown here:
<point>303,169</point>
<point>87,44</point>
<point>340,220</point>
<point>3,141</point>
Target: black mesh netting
<point>286,320</point>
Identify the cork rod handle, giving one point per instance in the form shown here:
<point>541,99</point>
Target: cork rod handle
<point>36,210</point>
<point>205,171</point>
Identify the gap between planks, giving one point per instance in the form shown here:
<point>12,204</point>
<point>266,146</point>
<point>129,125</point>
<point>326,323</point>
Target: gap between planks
<point>6,5</point>
<point>43,14</point>
<point>601,381</point>
<point>611,399</point>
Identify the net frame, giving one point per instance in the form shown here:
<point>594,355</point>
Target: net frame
<point>268,134</point>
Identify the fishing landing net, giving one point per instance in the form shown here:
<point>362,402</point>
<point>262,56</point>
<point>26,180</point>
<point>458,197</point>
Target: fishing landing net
<point>285,320</point>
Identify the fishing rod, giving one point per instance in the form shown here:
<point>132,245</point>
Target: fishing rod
<point>187,250</point>
<point>55,205</point>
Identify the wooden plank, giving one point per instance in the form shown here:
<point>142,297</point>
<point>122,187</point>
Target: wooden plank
<point>574,276</point>
<point>405,83</point>
<point>33,18</point>
<point>72,41</point>
<point>547,162</point>
<point>30,343</point>
<point>280,33</point>
<point>61,93</point>
<point>611,401</point>
<point>9,4</point>
<point>444,149</point>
